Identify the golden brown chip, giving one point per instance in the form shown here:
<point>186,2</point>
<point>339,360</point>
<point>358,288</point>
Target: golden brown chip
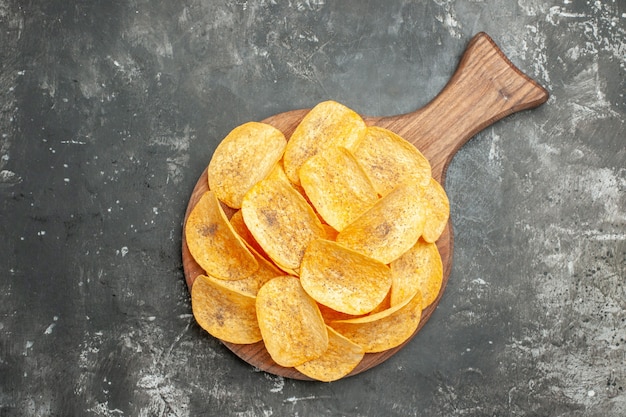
<point>390,227</point>
<point>390,160</point>
<point>331,233</point>
<point>337,186</point>
<point>250,285</point>
<point>438,211</point>
<point>326,125</point>
<point>342,279</point>
<point>239,226</point>
<point>341,357</point>
<point>278,172</point>
<point>281,221</point>
<point>384,330</point>
<point>290,321</point>
<point>385,304</point>
<point>330,314</point>
<point>421,269</point>
<point>245,156</point>
<point>226,314</point>
<point>213,242</point>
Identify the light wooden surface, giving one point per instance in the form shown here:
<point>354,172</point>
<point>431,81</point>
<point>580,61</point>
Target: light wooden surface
<point>485,88</point>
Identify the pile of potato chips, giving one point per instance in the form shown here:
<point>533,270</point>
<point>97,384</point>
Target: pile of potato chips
<point>330,252</point>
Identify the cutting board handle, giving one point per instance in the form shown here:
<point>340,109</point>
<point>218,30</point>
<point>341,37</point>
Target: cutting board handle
<point>485,87</point>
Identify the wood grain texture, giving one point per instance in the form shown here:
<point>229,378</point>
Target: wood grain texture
<point>485,88</point>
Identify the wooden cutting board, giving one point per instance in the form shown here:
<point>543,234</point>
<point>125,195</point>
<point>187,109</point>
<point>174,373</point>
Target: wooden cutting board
<point>485,88</point>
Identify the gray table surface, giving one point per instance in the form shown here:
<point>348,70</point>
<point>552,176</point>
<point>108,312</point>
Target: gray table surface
<point>110,110</point>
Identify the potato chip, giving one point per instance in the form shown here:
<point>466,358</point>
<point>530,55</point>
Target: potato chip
<point>281,221</point>
<point>244,157</point>
<point>331,233</point>
<point>390,160</point>
<point>239,226</point>
<point>337,186</point>
<point>226,314</point>
<point>341,357</point>
<point>342,279</point>
<point>290,321</point>
<point>278,173</point>
<point>438,211</point>
<point>421,269</point>
<point>251,285</point>
<point>213,243</point>
<point>385,304</point>
<point>326,125</point>
<point>330,314</point>
<point>384,330</point>
<point>391,226</point>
